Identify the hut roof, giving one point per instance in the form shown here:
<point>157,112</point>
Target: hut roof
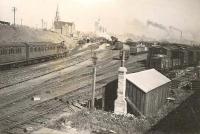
<point>147,80</point>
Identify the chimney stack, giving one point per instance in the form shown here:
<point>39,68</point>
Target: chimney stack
<point>120,102</point>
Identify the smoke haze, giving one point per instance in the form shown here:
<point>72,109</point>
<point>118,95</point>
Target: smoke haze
<point>118,16</point>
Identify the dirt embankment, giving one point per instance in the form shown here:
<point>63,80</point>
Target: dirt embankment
<point>27,34</point>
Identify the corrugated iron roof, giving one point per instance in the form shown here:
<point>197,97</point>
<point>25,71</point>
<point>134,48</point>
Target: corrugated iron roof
<point>147,80</point>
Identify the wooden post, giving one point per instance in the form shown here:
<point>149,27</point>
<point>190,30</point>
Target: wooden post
<point>94,59</point>
<point>93,87</point>
<point>103,98</point>
<point>14,11</point>
<point>123,58</point>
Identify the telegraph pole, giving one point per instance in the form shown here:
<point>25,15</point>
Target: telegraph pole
<point>94,60</point>
<point>14,10</point>
<point>42,23</point>
<point>123,58</point>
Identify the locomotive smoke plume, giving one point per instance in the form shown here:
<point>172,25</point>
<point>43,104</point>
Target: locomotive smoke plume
<point>174,28</point>
<point>157,25</point>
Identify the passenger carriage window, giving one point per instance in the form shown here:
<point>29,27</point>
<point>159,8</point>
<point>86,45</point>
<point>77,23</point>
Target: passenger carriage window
<point>12,51</point>
<point>3,51</point>
<point>6,51</point>
<point>15,51</point>
<point>31,49</point>
<point>9,51</point>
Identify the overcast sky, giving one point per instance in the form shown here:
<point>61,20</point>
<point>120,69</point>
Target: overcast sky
<point>118,16</point>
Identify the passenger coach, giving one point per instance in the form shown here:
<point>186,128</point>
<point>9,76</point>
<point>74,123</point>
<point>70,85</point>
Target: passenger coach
<point>20,52</point>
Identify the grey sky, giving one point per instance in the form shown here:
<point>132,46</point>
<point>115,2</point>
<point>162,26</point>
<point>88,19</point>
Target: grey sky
<point>118,16</point>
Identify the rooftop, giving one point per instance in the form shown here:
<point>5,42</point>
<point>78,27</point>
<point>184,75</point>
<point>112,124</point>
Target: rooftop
<point>147,80</point>
<point>60,24</point>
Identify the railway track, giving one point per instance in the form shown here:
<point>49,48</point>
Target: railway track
<point>51,107</point>
<point>30,92</point>
<point>106,72</point>
<point>12,99</point>
<point>11,77</point>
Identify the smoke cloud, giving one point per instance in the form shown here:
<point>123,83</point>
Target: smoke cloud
<point>174,28</point>
<point>156,25</point>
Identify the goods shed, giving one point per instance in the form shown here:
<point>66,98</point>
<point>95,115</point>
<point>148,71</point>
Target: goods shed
<point>146,91</point>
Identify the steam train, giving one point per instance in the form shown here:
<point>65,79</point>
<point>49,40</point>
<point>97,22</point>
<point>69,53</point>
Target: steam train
<point>21,52</point>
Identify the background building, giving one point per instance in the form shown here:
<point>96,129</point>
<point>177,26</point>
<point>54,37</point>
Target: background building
<point>65,28</point>
<point>62,27</point>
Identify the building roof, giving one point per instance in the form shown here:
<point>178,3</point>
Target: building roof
<point>60,24</point>
<point>147,80</point>
<point>12,44</point>
<point>23,44</point>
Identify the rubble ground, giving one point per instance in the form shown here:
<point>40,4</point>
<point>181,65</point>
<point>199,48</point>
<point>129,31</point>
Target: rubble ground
<point>101,122</point>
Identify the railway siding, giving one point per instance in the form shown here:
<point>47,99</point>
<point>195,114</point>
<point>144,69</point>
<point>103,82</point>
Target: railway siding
<point>71,84</point>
